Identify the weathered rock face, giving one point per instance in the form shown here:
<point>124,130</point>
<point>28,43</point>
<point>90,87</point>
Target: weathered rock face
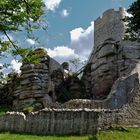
<point>104,69</point>
<point>112,57</point>
<point>33,85</point>
<point>37,84</point>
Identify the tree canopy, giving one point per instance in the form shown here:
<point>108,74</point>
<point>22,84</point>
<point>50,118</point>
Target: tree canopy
<point>16,16</point>
<point>133,29</point>
<point>15,13</point>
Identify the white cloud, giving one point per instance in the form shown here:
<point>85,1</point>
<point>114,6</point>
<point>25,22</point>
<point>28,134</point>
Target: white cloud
<point>80,46</point>
<point>30,41</point>
<point>64,13</point>
<point>62,54</point>
<point>15,65</point>
<point>82,41</point>
<point>60,51</point>
<point>52,4</point>
<point>76,33</point>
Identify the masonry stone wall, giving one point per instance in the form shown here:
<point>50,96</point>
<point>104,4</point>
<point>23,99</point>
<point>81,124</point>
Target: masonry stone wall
<point>51,121</point>
<point>73,121</point>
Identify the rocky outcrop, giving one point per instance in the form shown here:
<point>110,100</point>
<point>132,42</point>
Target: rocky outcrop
<point>33,85</point>
<point>112,57</point>
<point>37,83</point>
<point>110,62</point>
<point>104,69</point>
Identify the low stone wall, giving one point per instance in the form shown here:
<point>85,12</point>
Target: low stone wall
<point>50,121</point>
<point>72,121</point>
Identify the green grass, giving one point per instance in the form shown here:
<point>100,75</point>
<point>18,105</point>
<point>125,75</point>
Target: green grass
<point>133,134</point>
<point>8,136</point>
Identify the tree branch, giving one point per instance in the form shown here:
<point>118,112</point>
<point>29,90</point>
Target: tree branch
<point>15,47</point>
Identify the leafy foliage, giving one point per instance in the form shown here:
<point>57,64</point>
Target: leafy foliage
<point>17,16</point>
<point>15,13</point>
<point>35,56</point>
<point>133,30</point>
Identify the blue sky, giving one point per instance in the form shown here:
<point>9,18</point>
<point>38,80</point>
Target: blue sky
<point>70,27</point>
<point>81,13</point>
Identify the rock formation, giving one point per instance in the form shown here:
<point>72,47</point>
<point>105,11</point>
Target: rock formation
<point>112,57</point>
<point>37,83</point>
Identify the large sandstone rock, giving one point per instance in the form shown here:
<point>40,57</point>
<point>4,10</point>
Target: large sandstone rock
<point>104,69</point>
<point>112,57</point>
<point>122,92</point>
<point>34,85</point>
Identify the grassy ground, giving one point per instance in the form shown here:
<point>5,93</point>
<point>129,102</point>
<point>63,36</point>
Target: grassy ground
<point>133,134</point>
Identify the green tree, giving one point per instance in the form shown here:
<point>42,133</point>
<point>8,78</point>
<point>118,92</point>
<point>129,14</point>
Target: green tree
<point>17,16</point>
<point>133,30</point>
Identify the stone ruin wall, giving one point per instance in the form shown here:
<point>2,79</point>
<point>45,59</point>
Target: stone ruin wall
<point>72,121</point>
<point>110,61</point>
<point>51,121</point>
<point>80,118</point>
